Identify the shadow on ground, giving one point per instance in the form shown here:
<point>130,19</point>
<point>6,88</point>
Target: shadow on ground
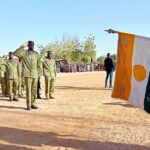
<point>12,147</point>
<point>13,107</point>
<point>120,104</point>
<point>2,99</point>
<point>81,88</point>
<point>36,138</point>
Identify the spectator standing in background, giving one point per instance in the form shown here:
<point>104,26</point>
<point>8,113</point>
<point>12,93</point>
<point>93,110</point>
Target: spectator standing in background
<point>109,68</point>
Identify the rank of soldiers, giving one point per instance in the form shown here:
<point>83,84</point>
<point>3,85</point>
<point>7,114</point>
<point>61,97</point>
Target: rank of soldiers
<point>22,69</point>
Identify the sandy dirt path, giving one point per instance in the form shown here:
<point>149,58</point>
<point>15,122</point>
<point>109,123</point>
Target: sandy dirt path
<point>83,116</point>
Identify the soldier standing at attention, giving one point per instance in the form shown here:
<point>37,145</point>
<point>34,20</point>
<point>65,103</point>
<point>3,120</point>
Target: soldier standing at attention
<point>31,65</point>
<point>12,73</point>
<point>20,80</point>
<point>49,70</point>
<point>3,76</point>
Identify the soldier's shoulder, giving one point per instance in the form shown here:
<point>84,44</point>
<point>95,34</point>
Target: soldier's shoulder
<point>43,58</point>
<point>25,53</point>
<point>36,53</point>
<point>54,60</point>
<point>7,61</point>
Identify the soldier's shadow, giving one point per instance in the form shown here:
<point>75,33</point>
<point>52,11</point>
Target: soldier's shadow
<point>3,99</point>
<point>12,107</point>
<point>37,139</point>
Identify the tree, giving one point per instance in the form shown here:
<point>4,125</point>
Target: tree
<point>114,57</point>
<point>86,59</point>
<point>89,47</point>
<point>71,49</point>
<point>101,60</point>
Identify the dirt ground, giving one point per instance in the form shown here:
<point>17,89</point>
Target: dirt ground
<point>83,116</point>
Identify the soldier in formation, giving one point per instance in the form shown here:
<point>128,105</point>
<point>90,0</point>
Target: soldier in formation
<point>49,71</point>
<point>25,72</point>
<point>3,76</point>
<point>12,75</point>
<point>31,65</point>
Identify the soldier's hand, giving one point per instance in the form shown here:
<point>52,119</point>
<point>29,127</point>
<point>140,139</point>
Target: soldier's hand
<point>25,44</point>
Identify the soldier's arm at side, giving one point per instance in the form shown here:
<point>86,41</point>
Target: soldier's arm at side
<point>55,68</point>
<point>42,67</point>
<point>18,70</point>
<point>39,66</point>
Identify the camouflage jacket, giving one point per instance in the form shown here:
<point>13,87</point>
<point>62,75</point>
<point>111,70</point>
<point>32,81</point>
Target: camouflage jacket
<point>12,69</point>
<point>49,67</point>
<point>2,67</point>
<point>31,63</point>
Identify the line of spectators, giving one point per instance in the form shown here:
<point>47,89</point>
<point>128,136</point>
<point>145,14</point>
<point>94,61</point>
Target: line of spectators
<point>78,67</point>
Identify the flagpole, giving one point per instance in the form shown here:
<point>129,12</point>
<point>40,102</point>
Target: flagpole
<point>110,31</point>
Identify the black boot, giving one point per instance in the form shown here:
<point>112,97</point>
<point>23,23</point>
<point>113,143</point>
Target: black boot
<point>15,99</point>
<point>34,107</point>
<point>38,97</point>
<point>28,108</point>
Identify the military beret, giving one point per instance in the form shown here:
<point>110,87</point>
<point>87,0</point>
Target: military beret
<point>31,42</point>
<point>49,51</point>
<point>10,53</point>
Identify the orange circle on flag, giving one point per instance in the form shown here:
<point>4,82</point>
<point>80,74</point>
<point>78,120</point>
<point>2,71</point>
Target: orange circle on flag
<point>139,72</point>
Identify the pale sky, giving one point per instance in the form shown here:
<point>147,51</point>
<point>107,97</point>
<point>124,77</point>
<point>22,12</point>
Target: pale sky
<point>45,20</point>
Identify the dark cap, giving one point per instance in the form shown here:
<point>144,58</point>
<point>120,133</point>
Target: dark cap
<point>31,42</point>
<point>50,51</point>
<point>11,53</point>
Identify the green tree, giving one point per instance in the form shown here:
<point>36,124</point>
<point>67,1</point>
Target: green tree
<point>71,49</point>
<point>114,57</point>
<point>101,60</point>
<point>86,59</point>
<point>89,47</point>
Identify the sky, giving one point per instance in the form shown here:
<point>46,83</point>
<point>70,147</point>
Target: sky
<point>46,20</point>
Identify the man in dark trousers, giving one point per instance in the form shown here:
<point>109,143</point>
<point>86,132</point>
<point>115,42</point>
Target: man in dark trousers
<point>109,68</point>
<point>38,89</point>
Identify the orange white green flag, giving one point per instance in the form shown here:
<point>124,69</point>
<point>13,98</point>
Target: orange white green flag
<point>132,80</point>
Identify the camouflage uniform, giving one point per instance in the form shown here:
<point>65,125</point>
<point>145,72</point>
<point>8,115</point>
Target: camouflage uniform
<point>49,71</point>
<point>12,73</point>
<point>3,76</point>
<point>31,67</point>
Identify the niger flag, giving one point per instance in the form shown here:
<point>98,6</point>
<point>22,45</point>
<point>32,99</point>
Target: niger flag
<point>132,80</point>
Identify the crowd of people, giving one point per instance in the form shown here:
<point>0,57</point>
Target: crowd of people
<point>22,69</point>
<point>77,68</point>
<point>73,68</point>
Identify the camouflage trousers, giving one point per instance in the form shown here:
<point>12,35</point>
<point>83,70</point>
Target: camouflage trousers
<point>31,89</point>
<point>49,86</point>
<point>12,88</point>
<point>3,85</point>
